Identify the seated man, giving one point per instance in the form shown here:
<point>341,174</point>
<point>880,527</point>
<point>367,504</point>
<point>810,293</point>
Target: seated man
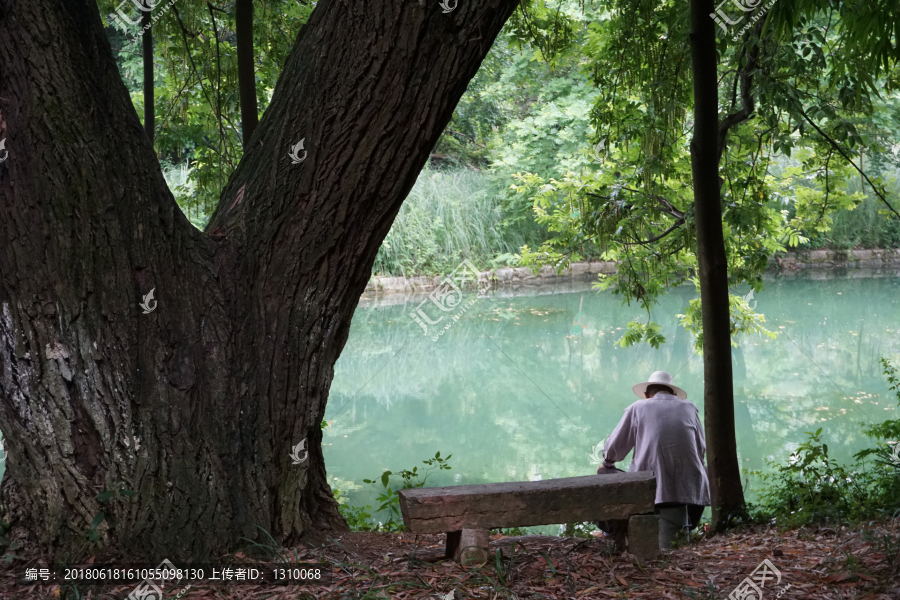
<point>665,432</point>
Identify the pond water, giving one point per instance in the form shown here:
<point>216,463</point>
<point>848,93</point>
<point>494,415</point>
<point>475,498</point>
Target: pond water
<point>522,387</point>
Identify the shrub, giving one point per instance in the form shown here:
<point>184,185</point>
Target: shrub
<point>814,487</point>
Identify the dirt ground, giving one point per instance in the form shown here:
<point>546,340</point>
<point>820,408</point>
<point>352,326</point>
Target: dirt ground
<point>859,563</point>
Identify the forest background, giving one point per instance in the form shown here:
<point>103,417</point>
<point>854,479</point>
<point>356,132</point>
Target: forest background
<point>533,125</point>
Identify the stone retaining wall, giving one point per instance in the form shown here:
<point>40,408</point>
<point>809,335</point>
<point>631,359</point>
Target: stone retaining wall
<point>829,259</point>
<point>506,277</point>
<point>522,277</point>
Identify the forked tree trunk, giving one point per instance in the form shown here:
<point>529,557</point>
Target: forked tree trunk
<point>718,391</point>
<point>197,405</point>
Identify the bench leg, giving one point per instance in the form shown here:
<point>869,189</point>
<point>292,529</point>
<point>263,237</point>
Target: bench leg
<point>468,545</point>
<point>643,537</point>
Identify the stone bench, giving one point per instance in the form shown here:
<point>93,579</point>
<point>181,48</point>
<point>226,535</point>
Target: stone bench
<point>466,513</point>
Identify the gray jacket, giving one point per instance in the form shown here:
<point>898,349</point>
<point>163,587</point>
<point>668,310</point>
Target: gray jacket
<point>667,437</point>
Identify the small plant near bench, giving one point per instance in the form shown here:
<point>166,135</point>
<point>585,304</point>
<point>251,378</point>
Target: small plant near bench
<point>359,518</point>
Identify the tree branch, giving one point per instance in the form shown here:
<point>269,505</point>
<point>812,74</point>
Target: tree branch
<point>667,206</point>
<point>674,226</point>
<point>747,103</point>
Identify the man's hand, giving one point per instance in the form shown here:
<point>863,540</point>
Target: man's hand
<point>607,470</point>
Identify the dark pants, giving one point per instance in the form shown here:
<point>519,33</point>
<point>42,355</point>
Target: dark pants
<point>617,529</point>
<point>695,511</point>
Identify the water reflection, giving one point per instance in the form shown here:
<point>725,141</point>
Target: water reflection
<point>522,387</point>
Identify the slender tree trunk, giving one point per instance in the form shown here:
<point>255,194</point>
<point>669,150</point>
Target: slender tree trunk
<point>718,393</point>
<point>147,54</point>
<point>196,402</point>
<point>243,17</point>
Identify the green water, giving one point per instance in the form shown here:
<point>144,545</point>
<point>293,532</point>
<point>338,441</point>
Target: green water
<point>515,391</point>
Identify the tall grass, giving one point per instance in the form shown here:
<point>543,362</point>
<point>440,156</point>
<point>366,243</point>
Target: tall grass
<point>447,217</point>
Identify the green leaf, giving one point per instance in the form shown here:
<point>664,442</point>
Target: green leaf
<point>97,520</point>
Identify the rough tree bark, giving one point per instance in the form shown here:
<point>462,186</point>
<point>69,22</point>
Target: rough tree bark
<point>197,405</point>
<point>718,393</point>
<point>149,82</point>
<point>243,19</point>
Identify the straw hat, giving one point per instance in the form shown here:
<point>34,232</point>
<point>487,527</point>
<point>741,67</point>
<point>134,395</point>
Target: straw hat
<point>660,378</point>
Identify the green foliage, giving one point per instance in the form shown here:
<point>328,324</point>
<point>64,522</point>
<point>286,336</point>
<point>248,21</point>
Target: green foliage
<point>581,530</point>
<point>196,85</point>
<point>636,332</point>
<point>814,487</point>
<point>580,119</point>
<point>786,168</point>
<point>359,518</point>
<point>743,319</point>
<point>888,432</point>
<point>860,227</point>
<point>119,491</point>
<point>447,217</point>
<point>511,531</point>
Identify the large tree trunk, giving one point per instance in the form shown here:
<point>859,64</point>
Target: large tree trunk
<point>718,393</point>
<point>196,405</point>
<point>243,19</point>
